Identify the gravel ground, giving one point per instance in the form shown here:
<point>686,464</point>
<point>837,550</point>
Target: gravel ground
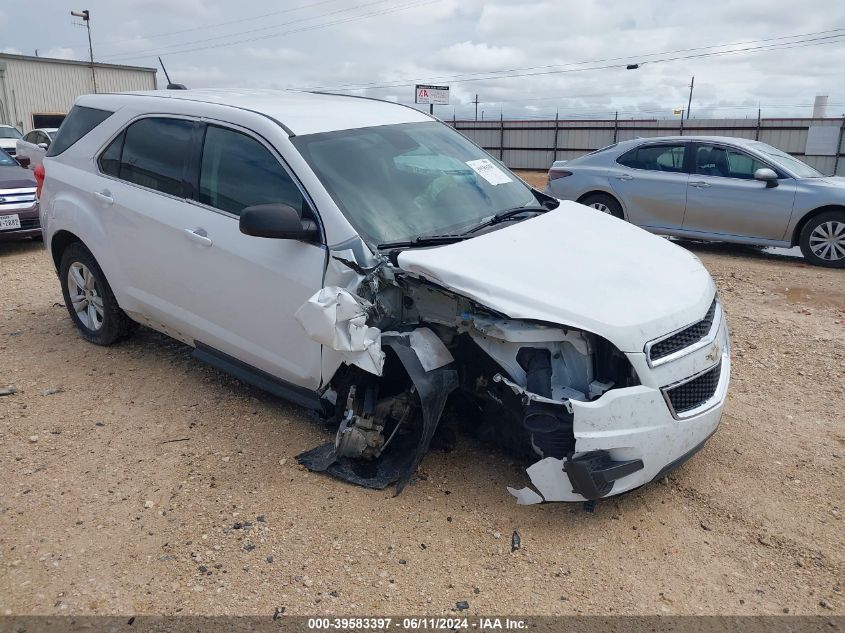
<point>136,480</point>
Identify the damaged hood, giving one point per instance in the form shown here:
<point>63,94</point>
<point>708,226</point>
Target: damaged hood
<point>579,267</point>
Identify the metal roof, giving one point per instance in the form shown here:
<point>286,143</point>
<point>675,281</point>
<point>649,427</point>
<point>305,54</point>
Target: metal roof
<point>73,62</point>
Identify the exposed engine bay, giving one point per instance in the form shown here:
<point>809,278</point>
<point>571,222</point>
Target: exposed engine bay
<point>419,360</point>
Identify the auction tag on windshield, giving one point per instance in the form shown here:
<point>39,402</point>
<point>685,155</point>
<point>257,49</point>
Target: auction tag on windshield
<point>485,168</point>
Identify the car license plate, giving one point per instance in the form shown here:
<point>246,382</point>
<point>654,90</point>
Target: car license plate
<point>8,222</point>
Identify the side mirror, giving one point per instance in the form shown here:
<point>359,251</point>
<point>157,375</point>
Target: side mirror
<point>767,175</point>
<point>43,145</point>
<point>279,221</point>
<point>23,161</point>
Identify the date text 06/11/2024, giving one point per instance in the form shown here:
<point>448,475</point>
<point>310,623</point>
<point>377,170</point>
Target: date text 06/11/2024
<point>416,623</point>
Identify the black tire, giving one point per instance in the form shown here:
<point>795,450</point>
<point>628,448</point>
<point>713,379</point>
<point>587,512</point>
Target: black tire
<point>114,325</point>
<point>825,222</point>
<point>604,201</point>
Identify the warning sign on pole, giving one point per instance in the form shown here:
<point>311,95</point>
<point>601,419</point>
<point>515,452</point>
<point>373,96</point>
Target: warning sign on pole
<point>434,95</point>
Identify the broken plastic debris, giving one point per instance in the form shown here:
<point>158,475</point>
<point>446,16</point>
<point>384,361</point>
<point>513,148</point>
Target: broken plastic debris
<point>334,317</point>
<point>525,496</point>
<point>549,478</point>
<point>430,350</point>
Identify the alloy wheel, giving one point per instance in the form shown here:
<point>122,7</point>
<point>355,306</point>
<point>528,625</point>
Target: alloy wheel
<point>827,241</point>
<point>85,296</point>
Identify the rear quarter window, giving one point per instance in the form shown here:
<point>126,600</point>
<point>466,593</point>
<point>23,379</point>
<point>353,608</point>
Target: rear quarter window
<point>77,124</point>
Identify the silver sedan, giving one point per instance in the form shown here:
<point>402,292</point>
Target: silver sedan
<point>712,188</point>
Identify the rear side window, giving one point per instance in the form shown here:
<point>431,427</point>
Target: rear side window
<point>237,172</point>
<point>154,154</point>
<point>77,124</point>
<point>655,158</point>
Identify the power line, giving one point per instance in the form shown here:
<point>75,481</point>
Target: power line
<point>206,27</point>
<point>829,39</point>
<point>581,63</point>
<point>385,11</point>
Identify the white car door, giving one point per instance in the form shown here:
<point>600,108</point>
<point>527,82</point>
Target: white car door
<point>191,267</point>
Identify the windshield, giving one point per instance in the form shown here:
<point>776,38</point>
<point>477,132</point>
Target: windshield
<point>6,160</point>
<point>398,182</point>
<point>10,132</point>
<point>782,159</point>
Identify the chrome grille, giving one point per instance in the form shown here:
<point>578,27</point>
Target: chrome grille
<point>12,200</point>
<point>695,392</point>
<point>683,338</point>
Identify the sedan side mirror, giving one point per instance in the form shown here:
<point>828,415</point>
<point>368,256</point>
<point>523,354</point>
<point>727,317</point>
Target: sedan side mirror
<point>767,175</point>
<point>279,221</point>
<point>43,145</point>
<point>23,161</point>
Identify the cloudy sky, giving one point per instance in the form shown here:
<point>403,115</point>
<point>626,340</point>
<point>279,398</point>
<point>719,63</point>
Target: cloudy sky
<point>525,59</point>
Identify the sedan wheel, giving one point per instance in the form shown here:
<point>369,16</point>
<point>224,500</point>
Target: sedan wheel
<point>827,241</point>
<point>85,296</point>
<point>822,239</point>
<point>603,202</point>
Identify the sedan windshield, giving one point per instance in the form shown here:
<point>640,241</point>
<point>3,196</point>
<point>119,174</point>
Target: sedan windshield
<point>10,132</point>
<point>400,182</point>
<point>6,160</point>
<point>790,163</point>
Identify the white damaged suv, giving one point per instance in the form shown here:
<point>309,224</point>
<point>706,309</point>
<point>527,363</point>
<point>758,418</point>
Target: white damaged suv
<point>367,261</point>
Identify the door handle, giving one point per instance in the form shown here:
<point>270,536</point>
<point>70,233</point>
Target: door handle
<point>699,185</point>
<point>625,177</point>
<point>199,236</point>
<point>104,196</point>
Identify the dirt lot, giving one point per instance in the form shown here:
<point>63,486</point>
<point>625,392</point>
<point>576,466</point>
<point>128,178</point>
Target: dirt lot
<point>136,480</point>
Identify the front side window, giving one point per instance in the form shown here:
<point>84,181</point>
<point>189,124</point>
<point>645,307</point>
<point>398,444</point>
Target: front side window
<point>76,124</point>
<point>711,160</point>
<point>398,182</point>
<point>154,154</point>
<point>790,163</point>
<point>668,158</point>
<point>30,137</point>
<point>237,171</point>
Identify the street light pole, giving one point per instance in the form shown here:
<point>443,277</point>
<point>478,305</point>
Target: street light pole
<point>86,18</point>
<point>689,103</point>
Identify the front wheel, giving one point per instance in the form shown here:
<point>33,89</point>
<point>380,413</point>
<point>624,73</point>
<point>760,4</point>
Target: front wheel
<point>822,240</point>
<point>604,203</point>
<point>89,298</point>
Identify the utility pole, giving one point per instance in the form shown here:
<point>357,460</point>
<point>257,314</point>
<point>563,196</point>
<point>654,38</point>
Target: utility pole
<point>476,107</point>
<point>86,18</point>
<point>689,103</point>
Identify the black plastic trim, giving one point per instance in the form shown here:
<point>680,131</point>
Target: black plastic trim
<point>592,474</point>
<point>258,378</point>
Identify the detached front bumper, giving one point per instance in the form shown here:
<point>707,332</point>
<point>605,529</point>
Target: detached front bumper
<point>631,436</point>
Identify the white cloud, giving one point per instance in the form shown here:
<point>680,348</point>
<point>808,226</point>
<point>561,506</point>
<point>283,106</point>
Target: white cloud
<point>471,57</point>
<point>279,55</point>
<point>57,53</point>
<point>442,40</point>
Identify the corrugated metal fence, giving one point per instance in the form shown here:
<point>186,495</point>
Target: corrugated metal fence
<point>536,144</point>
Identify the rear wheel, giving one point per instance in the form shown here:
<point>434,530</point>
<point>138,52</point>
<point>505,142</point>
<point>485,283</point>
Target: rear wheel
<point>822,239</point>
<point>604,203</point>
<point>89,298</point>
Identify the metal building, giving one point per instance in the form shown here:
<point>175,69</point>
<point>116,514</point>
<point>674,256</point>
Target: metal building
<point>39,91</point>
